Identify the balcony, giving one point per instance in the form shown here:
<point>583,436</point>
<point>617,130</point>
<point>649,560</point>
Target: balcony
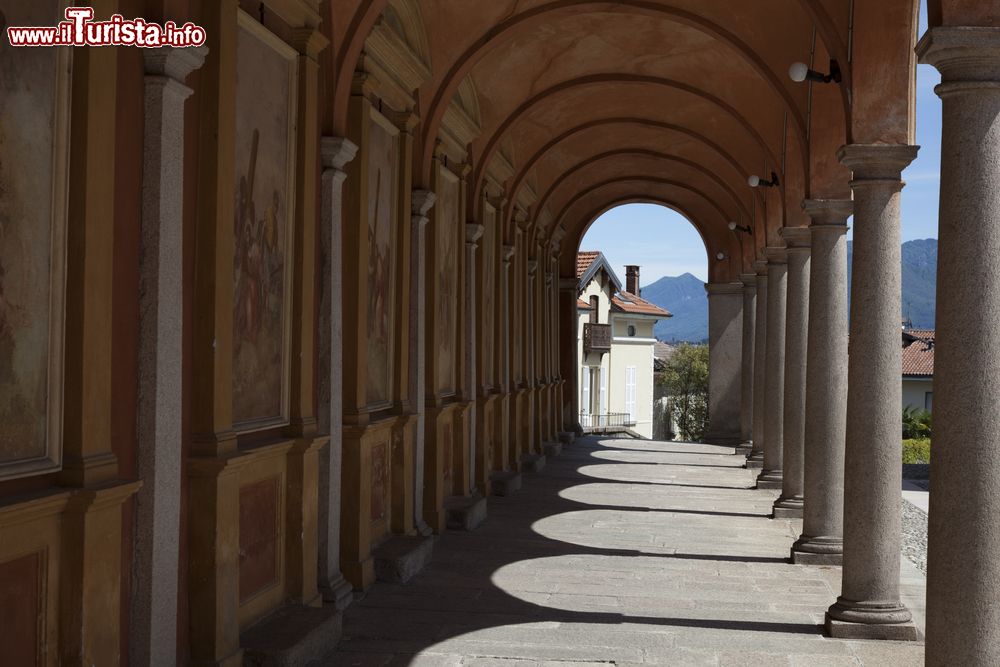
<point>596,338</point>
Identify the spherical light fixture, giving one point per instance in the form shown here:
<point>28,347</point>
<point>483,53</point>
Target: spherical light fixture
<point>733,226</point>
<point>755,181</point>
<point>721,256</point>
<point>798,72</point>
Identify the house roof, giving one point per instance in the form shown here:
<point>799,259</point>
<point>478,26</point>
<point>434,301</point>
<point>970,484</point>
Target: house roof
<point>626,302</point>
<point>918,352</point>
<point>582,305</point>
<point>588,263</point>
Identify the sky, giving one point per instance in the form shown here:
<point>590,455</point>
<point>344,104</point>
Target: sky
<point>664,243</point>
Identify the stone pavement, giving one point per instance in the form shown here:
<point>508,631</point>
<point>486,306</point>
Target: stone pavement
<point>620,552</point>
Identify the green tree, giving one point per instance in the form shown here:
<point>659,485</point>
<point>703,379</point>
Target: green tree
<point>686,381</point>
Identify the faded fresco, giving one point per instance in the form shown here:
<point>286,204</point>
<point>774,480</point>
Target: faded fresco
<point>262,221</point>
<point>447,226</point>
<point>382,189</point>
<point>32,225</point>
<point>489,298</point>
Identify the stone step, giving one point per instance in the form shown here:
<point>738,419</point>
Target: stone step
<point>532,463</point>
<point>505,483</point>
<point>292,637</point>
<point>465,512</point>
<point>399,559</point>
<point>552,449</point>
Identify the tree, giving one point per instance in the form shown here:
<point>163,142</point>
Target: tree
<point>686,380</point>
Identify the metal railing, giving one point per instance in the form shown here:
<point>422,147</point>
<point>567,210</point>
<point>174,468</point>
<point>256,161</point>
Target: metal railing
<point>612,420</point>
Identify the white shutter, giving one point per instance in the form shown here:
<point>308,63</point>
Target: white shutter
<point>585,390</point>
<point>604,391</point>
<point>630,393</point>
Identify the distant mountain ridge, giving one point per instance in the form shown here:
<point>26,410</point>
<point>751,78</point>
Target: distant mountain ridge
<point>685,296</point>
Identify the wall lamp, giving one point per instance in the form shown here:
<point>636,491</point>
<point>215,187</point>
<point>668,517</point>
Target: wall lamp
<point>800,72</point>
<point>758,182</point>
<point>746,229</point>
<point>721,256</point>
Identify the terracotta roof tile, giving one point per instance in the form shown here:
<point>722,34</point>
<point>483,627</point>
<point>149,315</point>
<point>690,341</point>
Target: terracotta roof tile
<point>583,262</point>
<point>918,356</point>
<point>583,305</point>
<point>626,302</point>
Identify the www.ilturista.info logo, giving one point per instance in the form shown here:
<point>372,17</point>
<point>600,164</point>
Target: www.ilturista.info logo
<point>79,29</point>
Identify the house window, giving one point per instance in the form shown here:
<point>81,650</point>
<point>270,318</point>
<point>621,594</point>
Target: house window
<point>928,400</point>
<point>594,313</point>
<point>585,390</point>
<point>631,330</point>
<point>630,393</point>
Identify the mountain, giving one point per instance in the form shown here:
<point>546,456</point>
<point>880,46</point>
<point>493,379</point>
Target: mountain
<point>919,280</point>
<point>685,297</point>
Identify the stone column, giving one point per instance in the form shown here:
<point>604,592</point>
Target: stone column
<point>421,202</point>
<point>335,153</point>
<point>822,539</point>
<point>963,582</point>
<point>774,407</point>
<point>473,231</point>
<point>749,281</point>
<point>506,331</point>
<point>789,504</point>
<point>153,628</point>
<point>869,605</point>
<point>756,458</point>
<point>725,332</point>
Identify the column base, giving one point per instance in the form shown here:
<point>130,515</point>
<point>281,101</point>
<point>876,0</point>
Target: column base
<point>847,619</point>
<point>505,483</point>
<point>743,449</point>
<point>722,439</point>
<point>818,551</point>
<point>906,632</point>
<point>337,592</point>
<point>566,437</point>
<point>399,559</point>
<point>532,463</point>
<point>551,449</point>
<point>293,636</point>
<point>770,479</point>
<point>755,461</point>
<point>788,508</point>
<point>465,512</point>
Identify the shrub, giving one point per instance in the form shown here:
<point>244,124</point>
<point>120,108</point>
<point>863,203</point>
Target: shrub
<point>917,450</point>
<point>916,423</point>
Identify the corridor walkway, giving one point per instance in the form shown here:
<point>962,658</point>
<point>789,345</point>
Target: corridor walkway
<point>620,552</point>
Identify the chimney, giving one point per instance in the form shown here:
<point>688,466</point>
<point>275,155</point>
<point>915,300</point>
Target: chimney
<point>632,279</point>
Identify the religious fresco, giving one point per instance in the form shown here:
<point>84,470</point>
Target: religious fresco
<point>265,163</point>
<point>34,99</point>
<point>383,149</point>
<point>447,226</point>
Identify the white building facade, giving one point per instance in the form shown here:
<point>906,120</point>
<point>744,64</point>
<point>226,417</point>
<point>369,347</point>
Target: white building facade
<point>615,347</point>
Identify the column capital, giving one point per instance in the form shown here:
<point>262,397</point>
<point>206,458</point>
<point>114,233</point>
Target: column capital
<point>308,41</point>
<point>796,238</point>
<point>173,63</point>
<point>968,57</point>
<point>421,202</point>
<point>877,162</point>
<point>532,266</point>
<point>749,279</point>
<point>508,253</point>
<point>473,232</point>
<point>833,212</point>
<point>760,266</point>
<point>336,152</point>
<point>776,254</point>
<point>714,289</point>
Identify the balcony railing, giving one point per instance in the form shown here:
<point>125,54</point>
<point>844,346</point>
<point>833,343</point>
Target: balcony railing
<point>609,422</point>
<point>596,338</point>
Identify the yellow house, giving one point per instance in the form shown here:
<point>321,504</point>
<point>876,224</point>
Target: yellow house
<point>615,347</point>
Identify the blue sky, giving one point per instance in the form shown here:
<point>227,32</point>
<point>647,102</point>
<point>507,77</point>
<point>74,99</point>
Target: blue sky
<point>664,243</point>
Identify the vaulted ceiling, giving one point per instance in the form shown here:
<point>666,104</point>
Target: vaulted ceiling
<point>592,104</point>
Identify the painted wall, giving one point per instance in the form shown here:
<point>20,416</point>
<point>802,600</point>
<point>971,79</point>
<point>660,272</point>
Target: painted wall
<point>915,392</point>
